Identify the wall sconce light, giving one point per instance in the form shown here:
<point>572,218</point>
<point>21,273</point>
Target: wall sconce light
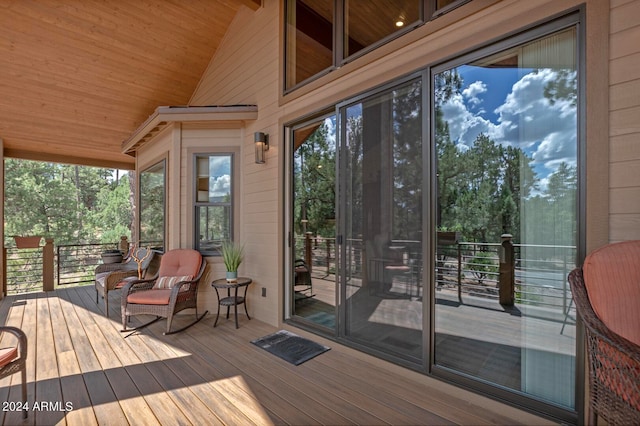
<point>261,141</point>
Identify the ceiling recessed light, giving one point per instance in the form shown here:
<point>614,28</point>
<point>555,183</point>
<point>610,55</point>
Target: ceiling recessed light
<point>399,24</point>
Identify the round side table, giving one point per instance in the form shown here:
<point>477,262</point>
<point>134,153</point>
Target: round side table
<point>230,300</point>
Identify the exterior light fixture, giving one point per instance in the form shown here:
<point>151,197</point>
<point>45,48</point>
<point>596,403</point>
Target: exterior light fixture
<point>261,141</point>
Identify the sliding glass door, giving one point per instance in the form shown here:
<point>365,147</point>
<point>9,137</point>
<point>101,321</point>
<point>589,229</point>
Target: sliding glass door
<point>313,287</point>
<point>382,221</point>
<point>506,146</point>
<point>440,235</point>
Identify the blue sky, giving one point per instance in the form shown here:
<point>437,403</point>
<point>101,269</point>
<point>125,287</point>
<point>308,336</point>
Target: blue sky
<point>219,176</point>
<point>509,106</point>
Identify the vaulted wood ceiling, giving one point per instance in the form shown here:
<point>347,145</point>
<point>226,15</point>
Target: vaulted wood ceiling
<point>77,77</point>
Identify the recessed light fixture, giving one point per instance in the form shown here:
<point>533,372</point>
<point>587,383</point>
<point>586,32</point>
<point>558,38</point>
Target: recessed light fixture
<point>399,23</point>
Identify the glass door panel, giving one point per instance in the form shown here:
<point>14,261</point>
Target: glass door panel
<point>382,202</point>
<point>506,147</point>
<point>313,285</point>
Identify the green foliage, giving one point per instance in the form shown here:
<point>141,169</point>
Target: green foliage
<point>232,255</point>
<point>315,180</point>
<point>71,204</point>
<point>482,265</point>
<point>490,189</point>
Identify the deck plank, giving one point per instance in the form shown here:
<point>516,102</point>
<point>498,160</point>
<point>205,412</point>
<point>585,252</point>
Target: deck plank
<point>103,399</point>
<point>209,375</point>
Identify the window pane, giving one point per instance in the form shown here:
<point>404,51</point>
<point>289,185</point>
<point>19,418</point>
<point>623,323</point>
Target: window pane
<point>313,287</point>
<point>152,196</point>
<point>214,225</point>
<point>214,178</point>
<point>214,201</point>
<point>383,207</point>
<point>369,21</point>
<point>506,145</point>
<point>309,39</point>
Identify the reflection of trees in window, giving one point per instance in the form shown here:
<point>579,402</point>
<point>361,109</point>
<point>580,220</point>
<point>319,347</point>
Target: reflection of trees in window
<point>407,162</point>
<point>152,198</point>
<point>314,184</point>
<point>485,188</point>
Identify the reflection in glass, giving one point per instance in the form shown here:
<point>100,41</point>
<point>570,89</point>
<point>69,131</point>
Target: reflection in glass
<point>309,39</point>
<point>152,200</point>
<point>369,21</point>
<point>506,145</point>
<point>314,222</point>
<point>382,279</point>
<point>213,201</point>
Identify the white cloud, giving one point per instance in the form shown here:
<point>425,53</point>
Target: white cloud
<point>220,186</point>
<point>471,93</point>
<point>526,119</point>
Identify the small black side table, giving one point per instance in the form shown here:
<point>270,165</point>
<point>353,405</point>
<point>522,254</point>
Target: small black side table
<point>230,300</point>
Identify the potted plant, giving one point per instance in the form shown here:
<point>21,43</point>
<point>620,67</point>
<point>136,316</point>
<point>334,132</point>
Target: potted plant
<point>232,255</point>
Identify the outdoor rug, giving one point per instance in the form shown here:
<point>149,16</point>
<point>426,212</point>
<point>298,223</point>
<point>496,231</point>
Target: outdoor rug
<point>290,347</point>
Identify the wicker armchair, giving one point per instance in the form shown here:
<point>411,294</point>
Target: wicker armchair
<point>606,291</point>
<point>174,289</point>
<point>14,359</point>
<point>114,276</point>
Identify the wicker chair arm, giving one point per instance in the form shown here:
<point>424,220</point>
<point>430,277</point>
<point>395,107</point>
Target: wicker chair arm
<point>138,285</point>
<point>594,324</point>
<point>20,335</point>
<point>115,277</point>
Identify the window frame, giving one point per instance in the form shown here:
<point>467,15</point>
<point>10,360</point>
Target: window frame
<point>195,204</point>
<point>428,12</point>
<point>163,162</point>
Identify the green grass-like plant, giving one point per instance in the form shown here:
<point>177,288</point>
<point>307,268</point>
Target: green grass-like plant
<point>232,255</point>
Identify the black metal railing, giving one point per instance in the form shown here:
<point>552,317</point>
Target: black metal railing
<point>539,272</point>
<point>76,263</point>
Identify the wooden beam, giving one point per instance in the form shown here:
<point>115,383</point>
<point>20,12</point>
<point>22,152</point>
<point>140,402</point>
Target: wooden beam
<point>68,159</point>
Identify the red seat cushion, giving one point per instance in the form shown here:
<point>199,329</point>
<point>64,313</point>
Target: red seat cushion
<point>150,297</point>
<point>7,355</point>
<point>612,280</point>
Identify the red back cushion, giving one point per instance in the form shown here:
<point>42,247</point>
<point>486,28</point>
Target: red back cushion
<point>612,279</point>
<point>180,262</point>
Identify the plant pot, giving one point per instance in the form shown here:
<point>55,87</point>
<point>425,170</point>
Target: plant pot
<point>232,276</point>
<point>28,242</point>
<point>112,256</point>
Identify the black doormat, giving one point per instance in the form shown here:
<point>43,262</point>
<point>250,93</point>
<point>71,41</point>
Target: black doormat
<point>290,347</point>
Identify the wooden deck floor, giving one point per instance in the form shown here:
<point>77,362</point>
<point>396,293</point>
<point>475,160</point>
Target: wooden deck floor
<point>78,359</point>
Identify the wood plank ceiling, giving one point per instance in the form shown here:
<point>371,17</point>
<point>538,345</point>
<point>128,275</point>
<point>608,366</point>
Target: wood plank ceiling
<point>77,77</point>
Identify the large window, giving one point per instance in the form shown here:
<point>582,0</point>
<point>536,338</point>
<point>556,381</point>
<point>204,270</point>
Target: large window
<point>321,34</point>
<point>213,201</point>
<point>440,236</point>
<point>152,205</point>
<point>506,133</point>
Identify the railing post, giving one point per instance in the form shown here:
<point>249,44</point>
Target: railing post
<point>506,281</point>
<point>47,265</point>
<point>307,251</point>
<point>459,273</point>
<point>328,242</point>
<point>4,272</point>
